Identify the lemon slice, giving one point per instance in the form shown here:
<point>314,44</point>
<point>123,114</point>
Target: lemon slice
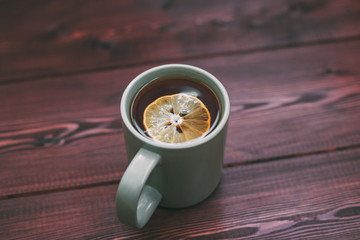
<point>176,118</point>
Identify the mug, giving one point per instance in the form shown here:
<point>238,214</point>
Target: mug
<point>164,174</point>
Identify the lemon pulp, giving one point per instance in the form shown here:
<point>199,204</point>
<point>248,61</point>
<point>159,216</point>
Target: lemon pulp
<point>176,118</point>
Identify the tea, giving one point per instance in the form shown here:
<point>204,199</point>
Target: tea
<point>170,85</point>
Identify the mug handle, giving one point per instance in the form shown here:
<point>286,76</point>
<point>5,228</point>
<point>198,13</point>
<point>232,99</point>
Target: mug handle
<point>136,201</point>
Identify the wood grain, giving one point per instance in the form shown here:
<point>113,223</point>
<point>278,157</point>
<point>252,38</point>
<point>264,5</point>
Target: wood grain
<point>56,37</point>
<point>283,104</point>
<point>61,156</point>
<point>314,197</point>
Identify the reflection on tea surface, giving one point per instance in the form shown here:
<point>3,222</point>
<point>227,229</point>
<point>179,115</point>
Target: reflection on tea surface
<point>182,109</point>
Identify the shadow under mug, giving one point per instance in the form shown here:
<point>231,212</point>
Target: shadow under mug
<point>169,175</point>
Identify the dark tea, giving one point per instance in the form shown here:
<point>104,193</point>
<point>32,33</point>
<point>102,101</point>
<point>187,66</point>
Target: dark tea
<point>171,85</point>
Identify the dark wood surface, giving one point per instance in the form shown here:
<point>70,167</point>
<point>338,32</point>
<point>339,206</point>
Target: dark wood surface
<point>76,144</point>
<point>308,197</point>
<point>78,36</point>
<point>292,161</point>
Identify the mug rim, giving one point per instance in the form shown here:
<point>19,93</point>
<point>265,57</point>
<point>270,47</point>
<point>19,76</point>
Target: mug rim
<point>189,144</point>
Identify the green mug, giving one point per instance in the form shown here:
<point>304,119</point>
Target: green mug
<point>164,174</point>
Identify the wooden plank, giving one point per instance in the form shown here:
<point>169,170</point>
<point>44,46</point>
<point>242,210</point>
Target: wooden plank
<point>303,198</point>
<point>66,132</point>
<point>51,37</point>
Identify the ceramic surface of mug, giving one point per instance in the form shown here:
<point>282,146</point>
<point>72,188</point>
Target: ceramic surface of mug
<point>172,175</point>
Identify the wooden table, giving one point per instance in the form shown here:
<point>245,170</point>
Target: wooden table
<point>292,70</point>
